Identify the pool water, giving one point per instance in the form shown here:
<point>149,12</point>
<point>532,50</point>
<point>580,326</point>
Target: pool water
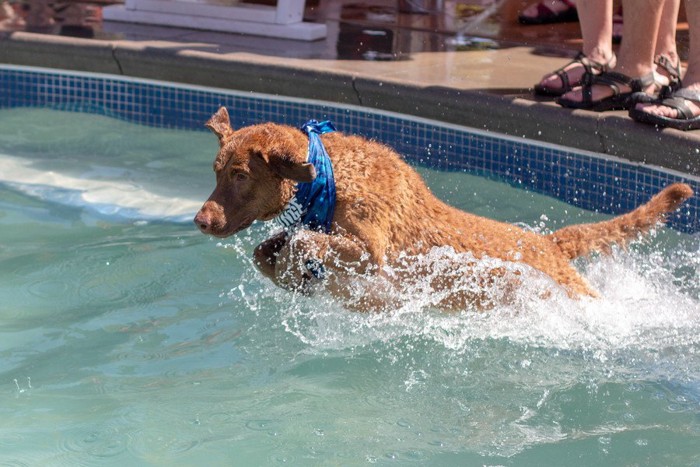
<point>128,338</point>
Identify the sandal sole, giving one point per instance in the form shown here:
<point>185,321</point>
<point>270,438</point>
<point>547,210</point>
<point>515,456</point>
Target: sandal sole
<point>548,92</point>
<point>620,102</point>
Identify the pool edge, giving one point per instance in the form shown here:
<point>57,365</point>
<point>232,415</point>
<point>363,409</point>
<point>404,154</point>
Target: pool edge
<point>510,113</point>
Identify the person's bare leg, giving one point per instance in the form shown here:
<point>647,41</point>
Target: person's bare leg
<point>692,75</point>
<point>666,39</point>
<point>691,80</point>
<point>595,18</point>
<point>642,19</point>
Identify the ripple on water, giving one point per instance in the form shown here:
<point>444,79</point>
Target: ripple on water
<point>17,463</point>
<point>49,288</point>
<point>89,446</point>
<point>97,277</point>
<point>165,442</point>
<point>265,425</point>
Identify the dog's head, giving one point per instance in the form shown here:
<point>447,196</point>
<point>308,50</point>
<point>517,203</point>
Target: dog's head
<point>256,170</point>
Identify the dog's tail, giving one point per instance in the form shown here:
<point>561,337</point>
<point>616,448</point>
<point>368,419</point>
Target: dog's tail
<point>583,239</point>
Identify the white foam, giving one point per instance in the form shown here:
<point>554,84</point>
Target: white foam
<point>641,308</point>
<point>106,197</point>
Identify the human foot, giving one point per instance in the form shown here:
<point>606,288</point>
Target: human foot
<point>570,75</point>
<point>606,91</point>
<point>681,110</point>
<point>667,79</point>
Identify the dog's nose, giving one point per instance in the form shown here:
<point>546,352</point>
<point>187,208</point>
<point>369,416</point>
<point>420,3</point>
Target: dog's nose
<point>203,222</point>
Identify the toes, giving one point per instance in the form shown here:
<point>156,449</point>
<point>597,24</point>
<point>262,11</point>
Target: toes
<point>658,110</point>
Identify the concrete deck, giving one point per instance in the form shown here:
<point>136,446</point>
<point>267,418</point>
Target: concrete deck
<point>487,89</point>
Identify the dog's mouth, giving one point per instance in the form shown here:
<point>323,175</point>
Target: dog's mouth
<point>232,230</point>
<point>218,227</point>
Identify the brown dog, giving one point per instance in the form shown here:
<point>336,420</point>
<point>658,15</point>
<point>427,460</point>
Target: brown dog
<point>384,216</point>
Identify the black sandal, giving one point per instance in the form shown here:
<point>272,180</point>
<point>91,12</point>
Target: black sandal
<point>673,71</point>
<point>614,80</point>
<point>665,91</point>
<point>685,120</point>
<point>589,66</point>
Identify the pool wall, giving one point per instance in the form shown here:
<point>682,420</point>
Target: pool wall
<point>489,90</point>
<point>588,180</point>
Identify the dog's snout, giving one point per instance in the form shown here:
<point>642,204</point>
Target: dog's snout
<point>203,221</point>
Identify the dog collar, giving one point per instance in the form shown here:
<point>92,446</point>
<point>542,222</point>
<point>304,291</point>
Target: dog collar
<point>313,204</point>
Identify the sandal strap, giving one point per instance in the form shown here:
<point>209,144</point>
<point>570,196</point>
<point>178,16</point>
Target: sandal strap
<point>589,66</point>
<point>643,82</point>
<point>688,94</point>
<point>600,67</point>
<point>683,94</point>
<point>674,76</point>
<point>674,71</point>
<point>677,101</point>
<point>679,104</point>
<point>563,75</point>
<point>614,80</point>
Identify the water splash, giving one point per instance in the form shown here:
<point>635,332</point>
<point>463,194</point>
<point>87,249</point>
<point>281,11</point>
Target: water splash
<point>649,302</point>
<point>21,390</point>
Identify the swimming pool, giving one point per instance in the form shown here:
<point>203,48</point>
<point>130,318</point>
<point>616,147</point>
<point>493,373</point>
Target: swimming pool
<point>128,338</point>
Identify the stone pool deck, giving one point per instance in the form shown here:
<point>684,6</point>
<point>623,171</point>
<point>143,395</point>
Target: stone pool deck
<point>484,89</point>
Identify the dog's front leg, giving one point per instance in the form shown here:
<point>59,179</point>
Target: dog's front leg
<point>310,257</point>
<point>265,254</point>
<point>341,264</point>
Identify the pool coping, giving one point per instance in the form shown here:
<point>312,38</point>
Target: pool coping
<point>512,112</point>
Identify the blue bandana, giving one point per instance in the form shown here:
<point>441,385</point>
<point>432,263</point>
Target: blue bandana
<point>313,204</point>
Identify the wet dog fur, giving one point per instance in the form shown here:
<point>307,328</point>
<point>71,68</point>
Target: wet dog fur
<point>384,214</point>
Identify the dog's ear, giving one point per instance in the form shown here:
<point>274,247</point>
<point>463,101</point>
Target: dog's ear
<point>220,124</point>
<point>284,166</point>
<point>299,172</point>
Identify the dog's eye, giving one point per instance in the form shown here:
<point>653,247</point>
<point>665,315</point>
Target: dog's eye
<point>239,176</point>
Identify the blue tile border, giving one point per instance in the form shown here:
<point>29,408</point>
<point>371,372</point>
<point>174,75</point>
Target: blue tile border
<point>591,181</point>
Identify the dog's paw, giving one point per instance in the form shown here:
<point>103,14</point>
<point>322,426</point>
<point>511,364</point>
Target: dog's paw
<point>299,266</point>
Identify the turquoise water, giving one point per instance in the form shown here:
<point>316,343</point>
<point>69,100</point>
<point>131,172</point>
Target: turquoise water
<point>128,338</point>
